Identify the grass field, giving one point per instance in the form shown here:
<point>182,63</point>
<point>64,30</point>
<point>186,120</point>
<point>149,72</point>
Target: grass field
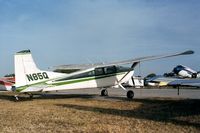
<point>85,113</point>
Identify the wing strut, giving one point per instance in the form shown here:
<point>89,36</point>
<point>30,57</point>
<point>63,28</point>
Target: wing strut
<point>135,64</point>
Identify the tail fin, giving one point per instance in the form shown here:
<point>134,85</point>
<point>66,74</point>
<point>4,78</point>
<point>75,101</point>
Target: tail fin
<point>26,71</point>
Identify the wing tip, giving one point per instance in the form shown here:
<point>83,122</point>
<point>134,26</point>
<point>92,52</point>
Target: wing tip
<point>188,52</point>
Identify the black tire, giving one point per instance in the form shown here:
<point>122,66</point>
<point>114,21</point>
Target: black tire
<point>130,94</point>
<point>104,93</point>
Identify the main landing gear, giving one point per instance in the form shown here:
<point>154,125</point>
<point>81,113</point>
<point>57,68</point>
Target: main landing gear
<point>129,94</point>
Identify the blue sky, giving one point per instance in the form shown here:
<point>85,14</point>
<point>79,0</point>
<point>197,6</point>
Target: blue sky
<point>83,31</point>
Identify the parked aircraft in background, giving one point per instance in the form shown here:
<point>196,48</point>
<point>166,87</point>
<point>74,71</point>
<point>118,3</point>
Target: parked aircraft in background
<point>135,81</point>
<point>186,82</point>
<point>31,80</point>
<point>6,83</point>
<point>181,75</point>
<point>183,72</point>
<point>186,72</point>
<point>159,80</point>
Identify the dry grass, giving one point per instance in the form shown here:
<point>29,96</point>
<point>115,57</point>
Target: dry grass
<point>88,114</point>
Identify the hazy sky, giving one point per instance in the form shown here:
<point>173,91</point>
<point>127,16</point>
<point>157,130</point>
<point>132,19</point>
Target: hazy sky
<point>83,31</point>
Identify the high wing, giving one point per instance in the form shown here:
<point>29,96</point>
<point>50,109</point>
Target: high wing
<point>134,62</point>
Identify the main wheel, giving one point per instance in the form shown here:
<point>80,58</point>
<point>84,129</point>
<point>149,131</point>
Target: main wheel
<point>130,94</point>
<point>104,92</point>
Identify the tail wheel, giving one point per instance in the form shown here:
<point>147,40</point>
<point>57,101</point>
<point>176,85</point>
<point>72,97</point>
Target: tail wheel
<point>16,98</point>
<point>130,94</point>
<point>104,92</point>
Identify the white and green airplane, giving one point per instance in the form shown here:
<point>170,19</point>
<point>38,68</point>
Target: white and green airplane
<point>31,80</point>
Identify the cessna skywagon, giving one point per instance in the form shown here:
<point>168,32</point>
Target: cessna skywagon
<point>31,80</point>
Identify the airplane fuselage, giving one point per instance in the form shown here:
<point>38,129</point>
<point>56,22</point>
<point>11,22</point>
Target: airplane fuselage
<point>90,78</point>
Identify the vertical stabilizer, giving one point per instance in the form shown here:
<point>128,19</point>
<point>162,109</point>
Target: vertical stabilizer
<point>24,64</point>
<point>26,71</point>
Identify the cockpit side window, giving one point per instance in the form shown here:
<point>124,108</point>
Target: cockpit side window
<point>99,71</point>
<point>110,70</point>
<point>105,70</point>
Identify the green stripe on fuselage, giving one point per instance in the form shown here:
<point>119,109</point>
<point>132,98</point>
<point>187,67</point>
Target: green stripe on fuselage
<point>19,89</point>
<point>85,79</point>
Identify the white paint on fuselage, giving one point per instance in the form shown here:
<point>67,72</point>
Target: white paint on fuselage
<point>96,83</point>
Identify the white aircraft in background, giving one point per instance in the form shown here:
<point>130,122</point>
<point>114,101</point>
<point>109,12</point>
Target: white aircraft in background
<point>191,78</point>
<point>185,72</point>
<point>180,75</point>
<point>31,80</point>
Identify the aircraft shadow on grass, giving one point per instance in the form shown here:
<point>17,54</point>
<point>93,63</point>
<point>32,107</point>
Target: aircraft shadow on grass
<point>152,109</point>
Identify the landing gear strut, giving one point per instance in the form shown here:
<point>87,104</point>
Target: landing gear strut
<point>129,94</point>
<point>104,92</point>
